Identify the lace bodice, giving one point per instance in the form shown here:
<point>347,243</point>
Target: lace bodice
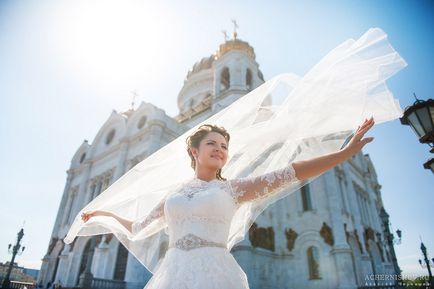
<point>199,213</point>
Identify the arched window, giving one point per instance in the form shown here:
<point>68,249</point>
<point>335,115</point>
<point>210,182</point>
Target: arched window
<point>141,122</point>
<point>249,79</point>
<point>110,136</point>
<point>83,156</point>
<point>105,183</point>
<point>313,262</point>
<point>305,198</point>
<point>225,82</point>
<point>121,263</point>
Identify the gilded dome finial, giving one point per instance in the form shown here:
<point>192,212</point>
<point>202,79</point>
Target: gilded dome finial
<point>234,34</point>
<point>225,34</point>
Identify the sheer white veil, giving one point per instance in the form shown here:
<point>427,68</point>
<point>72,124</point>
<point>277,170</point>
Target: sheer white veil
<point>288,118</point>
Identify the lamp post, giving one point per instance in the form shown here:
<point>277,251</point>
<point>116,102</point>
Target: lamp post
<point>428,264</point>
<point>17,249</point>
<point>429,165</point>
<point>420,116</point>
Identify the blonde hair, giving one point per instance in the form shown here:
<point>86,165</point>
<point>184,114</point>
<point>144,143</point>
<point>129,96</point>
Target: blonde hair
<point>194,140</point>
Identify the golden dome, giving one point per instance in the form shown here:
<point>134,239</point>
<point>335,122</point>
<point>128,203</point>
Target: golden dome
<point>235,44</point>
<point>204,63</point>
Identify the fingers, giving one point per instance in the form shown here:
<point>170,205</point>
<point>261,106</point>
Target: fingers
<point>367,122</point>
<point>367,140</point>
<point>366,126</point>
<point>86,216</point>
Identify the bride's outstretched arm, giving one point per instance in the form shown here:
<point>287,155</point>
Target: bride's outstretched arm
<point>133,226</point>
<point>125,222</point>
<point>316,166</point>
<point>251,188</point>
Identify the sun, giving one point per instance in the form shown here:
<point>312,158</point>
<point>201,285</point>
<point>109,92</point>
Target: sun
<point>110,40</point>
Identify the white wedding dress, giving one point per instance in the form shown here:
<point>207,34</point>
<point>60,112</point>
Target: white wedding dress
<point>199,216</point>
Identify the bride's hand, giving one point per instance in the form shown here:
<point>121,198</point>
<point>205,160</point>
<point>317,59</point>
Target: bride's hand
<point>87,215</point>
<point>357,143</point>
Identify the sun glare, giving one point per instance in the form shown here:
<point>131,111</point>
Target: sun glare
<point>111,40</point>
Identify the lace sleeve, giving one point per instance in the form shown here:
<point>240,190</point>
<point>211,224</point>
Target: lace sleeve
<point>252,188</point>
<point>156,214</point>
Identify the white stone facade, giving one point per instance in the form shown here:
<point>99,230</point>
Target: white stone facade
<point>323,237</point>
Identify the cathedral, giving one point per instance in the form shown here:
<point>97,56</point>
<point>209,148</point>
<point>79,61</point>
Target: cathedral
<point>332,233</point>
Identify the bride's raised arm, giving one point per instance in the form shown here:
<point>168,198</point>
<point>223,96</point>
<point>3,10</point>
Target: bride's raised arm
<point>251,188</point>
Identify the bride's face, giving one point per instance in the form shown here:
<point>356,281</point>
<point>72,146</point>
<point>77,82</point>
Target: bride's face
<point>212,152</point>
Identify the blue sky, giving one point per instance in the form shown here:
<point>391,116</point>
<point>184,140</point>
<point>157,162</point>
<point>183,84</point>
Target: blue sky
<point>65,65</point>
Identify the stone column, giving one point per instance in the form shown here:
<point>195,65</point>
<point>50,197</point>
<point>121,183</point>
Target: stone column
<point>136,275</point>
<point>341,251</point>
<point>62,270</point>
<point>50,262</point>
<point>123,154</point>
<point>217,82</point>
<point>389,237</point>
<point>42,278</point>
<point>235,76</point>
<point>100,259</point>
<point>85,184</point>
<point>356,214</point>
<point>62,205</point>
<point>157,130</point>
<point>375,215</point>
<point>67,208</point>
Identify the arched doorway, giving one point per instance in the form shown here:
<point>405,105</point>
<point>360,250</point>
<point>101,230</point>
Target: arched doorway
<point>121,263</point>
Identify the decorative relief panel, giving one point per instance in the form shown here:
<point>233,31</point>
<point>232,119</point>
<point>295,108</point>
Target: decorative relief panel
<point>262,237</point>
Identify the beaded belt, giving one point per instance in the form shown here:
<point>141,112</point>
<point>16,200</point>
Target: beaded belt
<point>191,241</point>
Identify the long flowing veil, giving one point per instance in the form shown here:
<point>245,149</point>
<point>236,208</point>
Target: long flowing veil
<point>288,118</point>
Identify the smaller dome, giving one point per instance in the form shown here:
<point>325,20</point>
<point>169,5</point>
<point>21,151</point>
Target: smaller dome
<point>204,63</point>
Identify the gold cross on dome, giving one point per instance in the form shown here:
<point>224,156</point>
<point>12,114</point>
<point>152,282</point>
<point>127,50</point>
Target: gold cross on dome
<point>225,34</point>
<point>235,28</point>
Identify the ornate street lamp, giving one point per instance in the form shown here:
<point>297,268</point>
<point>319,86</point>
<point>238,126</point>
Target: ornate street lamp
<point>394,241</point>
<point>429,165</point>
<point>428,264</point>
<point>420,116</point>
<point>16,250</point>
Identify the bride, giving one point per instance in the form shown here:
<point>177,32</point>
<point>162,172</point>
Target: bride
<point>208,149</point>
<point>284,134</point>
